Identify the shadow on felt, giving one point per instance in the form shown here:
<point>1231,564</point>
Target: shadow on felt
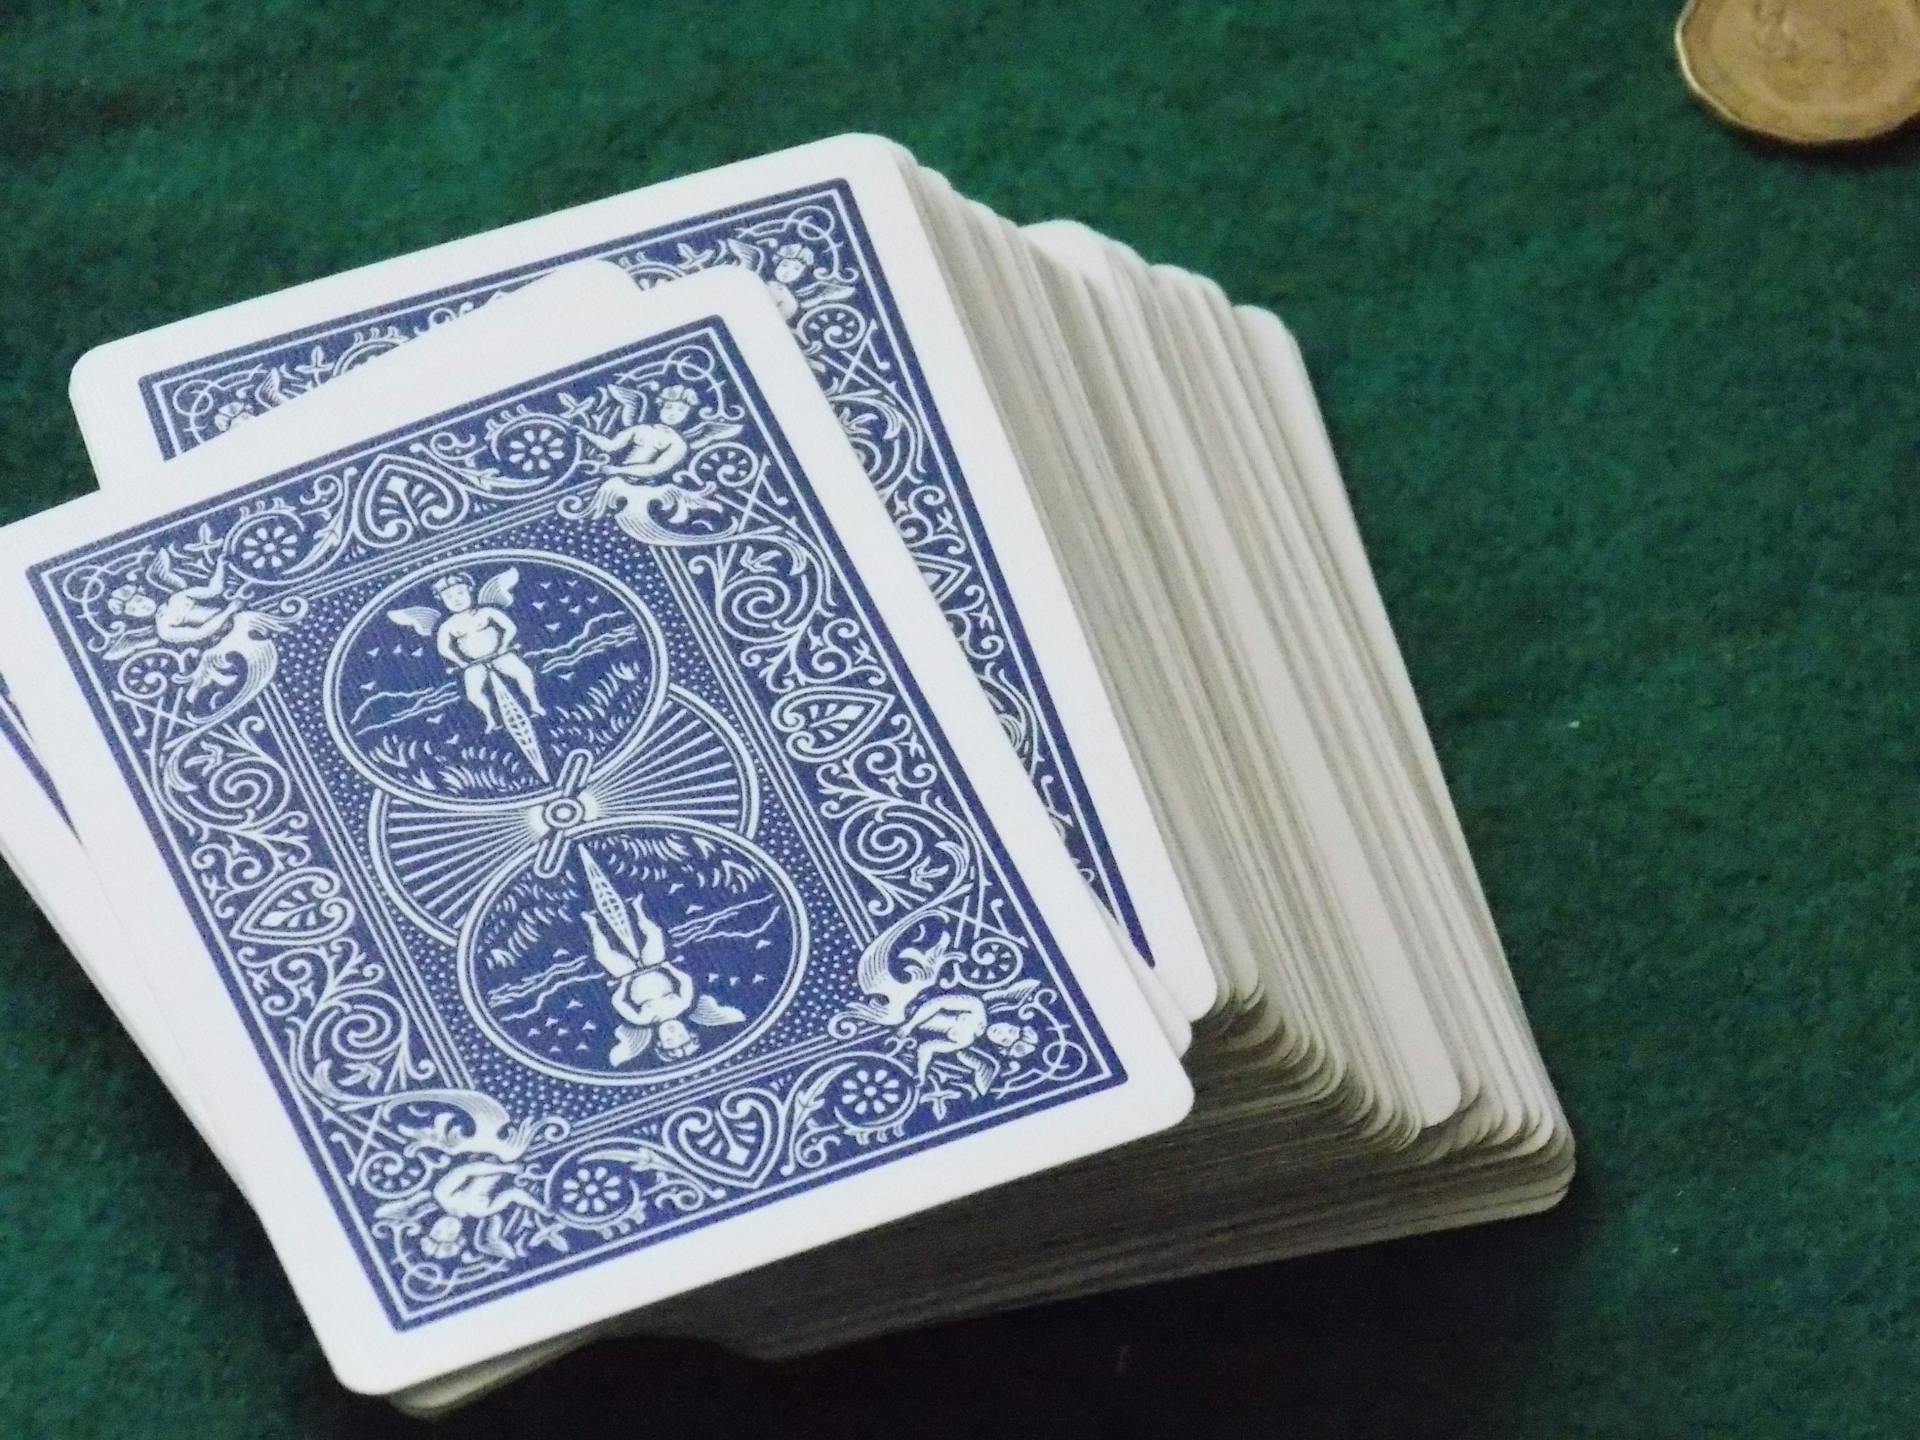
<point>1392,1339</point>
<point>1899,149</point>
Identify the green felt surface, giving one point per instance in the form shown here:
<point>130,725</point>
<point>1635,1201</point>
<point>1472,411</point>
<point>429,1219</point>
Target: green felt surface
<point>1628,408</point>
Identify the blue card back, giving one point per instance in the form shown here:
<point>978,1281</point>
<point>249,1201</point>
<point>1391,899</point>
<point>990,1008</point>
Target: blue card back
<point>13,732</point>
<point>811,250</point>
<point>573,841</point>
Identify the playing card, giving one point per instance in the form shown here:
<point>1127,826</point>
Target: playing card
<point>1110,487</point>
<point>585,862</point>
<point>830,231</point>
<point>41,848</point>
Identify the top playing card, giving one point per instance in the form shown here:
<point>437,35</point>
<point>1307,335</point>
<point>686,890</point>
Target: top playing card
<point>844,261</point>
<point>584,859</point>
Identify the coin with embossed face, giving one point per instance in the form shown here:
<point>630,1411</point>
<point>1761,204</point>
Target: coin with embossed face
<point>1810,72</point>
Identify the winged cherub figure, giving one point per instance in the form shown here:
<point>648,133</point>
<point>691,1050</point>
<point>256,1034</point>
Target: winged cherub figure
<point>792,292</point>
<point>654,996</point>
<point>945,1026</point>
<point>188,612</point>
<point>476,636</point>
<point>645,454</point>
<point>935,1023</point>
<point>481,1182</point>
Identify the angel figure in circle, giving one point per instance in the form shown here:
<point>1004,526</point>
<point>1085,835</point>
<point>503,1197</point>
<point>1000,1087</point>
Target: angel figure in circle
<point>786,284</point>
<point>652,995</point>
<point>647,452</point>
<point>188,612</point>
<point>946,1027</point>
<point>480,1187</point>
<point>476,636</point>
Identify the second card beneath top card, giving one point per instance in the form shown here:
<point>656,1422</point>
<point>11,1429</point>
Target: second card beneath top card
<point>831,234</point>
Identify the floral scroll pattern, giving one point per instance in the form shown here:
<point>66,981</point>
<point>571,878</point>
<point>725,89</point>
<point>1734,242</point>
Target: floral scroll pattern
<point>808,248</point>
<point>496,838</point>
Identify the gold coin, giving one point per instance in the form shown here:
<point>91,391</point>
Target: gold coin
<point>1810,72</point>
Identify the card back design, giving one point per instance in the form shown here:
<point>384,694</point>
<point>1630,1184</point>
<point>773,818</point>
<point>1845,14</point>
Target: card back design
<point>13,731</point>
<point>580,854</point>
<point>809,248</point>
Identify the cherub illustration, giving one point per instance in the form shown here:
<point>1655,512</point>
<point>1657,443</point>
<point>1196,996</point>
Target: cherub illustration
<point>646,452</point>
<point>476,636</point>
<point>479,1188</point>
<point>196,613</point>
<point>654,996</point>
<point>946,1026</point>
<point>791,262</point>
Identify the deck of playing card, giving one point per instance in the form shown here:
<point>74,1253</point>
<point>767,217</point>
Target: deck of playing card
<point>770,758</point>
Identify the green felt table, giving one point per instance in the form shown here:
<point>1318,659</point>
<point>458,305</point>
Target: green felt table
<point>1628,409</point>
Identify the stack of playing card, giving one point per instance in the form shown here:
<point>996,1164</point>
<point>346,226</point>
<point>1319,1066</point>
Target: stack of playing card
<point>770,758</point>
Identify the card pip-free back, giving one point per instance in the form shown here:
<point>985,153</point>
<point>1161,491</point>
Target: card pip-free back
<point>570,831</point>
<point>831,233</point>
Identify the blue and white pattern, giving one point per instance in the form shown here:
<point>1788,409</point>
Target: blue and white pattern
<point>13,730</point>
<point>811,250</point>
<point>581,857</point>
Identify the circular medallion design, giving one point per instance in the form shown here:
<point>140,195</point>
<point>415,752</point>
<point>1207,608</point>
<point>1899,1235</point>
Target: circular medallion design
<point>481,679</point>
<point>657,947</point>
